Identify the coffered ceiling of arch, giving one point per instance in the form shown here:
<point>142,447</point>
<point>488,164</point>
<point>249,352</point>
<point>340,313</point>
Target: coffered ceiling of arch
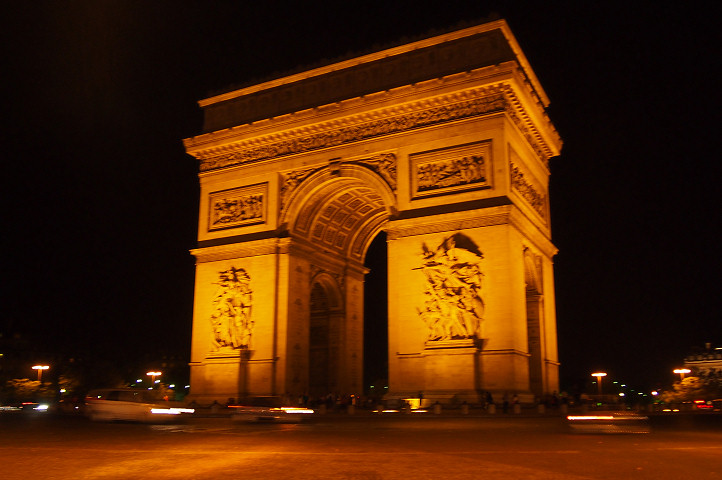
<point>340,217</point>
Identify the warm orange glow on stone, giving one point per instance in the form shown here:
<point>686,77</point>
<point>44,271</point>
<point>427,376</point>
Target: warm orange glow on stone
<point>453,169</point>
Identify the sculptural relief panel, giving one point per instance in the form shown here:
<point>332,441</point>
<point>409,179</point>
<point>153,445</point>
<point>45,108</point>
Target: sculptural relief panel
<point>524,184</point>
<point>450,170</point>
<point>230,319</point>
<point>454,308</point>
<point>238,207</point>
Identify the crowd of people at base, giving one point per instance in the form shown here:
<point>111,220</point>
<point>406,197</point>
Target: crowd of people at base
<point>550,400</point>
<point>331,401</point>
<point>340,402</point>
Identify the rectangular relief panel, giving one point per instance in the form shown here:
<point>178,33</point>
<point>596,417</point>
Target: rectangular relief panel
<point>238,207</point>
<point>451,170</point>
<point>527,187</point>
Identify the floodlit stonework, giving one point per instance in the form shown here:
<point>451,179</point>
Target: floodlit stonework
<point>444,144</point>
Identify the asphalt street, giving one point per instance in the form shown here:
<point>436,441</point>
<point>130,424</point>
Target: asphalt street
<point>36,446</point>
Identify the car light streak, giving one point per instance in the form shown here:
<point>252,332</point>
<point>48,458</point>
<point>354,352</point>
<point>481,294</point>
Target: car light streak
<point>604,417</point>
<point>171,411</point>
<point>294,410</point>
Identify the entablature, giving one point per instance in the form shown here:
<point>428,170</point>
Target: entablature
<point>460,51</point>
<point>234,250</point>
<point>249,143</point>
<point>504,214</point>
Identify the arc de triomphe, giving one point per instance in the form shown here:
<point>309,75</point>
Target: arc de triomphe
<point>444,144</point>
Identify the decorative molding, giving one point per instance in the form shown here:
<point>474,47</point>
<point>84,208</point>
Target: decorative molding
<point>237,207</point>
<point>382,71</point>
<point>395,119</point>
<point>463,343</point>
<point>340,279</point>
<point>384,165</point>
<point>291,180</point>
<point>537,236</point>
<point>527,191</point>
<point>241,250</point>
<point>533,274</point>
<point>502,217</point>
<point>450,170</point>
<point>457,106</point>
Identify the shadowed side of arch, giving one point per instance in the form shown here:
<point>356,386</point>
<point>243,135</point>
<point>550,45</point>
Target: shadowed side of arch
<point>534,321</point>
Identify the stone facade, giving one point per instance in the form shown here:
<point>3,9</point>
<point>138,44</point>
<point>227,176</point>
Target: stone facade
<point>444,144</point>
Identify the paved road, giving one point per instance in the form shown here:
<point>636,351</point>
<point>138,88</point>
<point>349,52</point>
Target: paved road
<point>355,448</point>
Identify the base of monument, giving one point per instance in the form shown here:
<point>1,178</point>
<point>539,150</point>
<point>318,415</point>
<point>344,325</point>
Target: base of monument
<point>429,398</point>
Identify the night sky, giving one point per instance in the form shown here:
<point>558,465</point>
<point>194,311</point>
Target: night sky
<point>101,200</point>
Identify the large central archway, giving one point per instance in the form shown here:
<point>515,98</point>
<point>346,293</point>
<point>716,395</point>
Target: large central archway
<point>376,336</point>
<point>333,216</point>
<point>443,145</point>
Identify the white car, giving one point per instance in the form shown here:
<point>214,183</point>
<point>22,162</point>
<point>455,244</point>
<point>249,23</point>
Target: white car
<point>130,404</point>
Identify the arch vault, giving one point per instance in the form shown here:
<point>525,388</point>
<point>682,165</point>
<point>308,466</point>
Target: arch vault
<point>443,144</point>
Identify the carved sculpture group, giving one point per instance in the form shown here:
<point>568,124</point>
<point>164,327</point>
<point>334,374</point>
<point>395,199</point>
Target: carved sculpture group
<point>454,307</point>
<point>239,209</point>
<point>455,171</point>
<point>231,318</point>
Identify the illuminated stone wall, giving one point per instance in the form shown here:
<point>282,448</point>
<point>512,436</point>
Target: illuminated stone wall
<point>450,159</point>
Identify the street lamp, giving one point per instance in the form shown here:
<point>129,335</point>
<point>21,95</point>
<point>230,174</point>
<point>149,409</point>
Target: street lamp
<point>153,375</point>
<point>599,376</point>
<point>40,369</point>
<point>682,372</point>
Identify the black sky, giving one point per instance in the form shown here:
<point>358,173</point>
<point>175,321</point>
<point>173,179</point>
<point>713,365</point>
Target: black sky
<point>101,200</point>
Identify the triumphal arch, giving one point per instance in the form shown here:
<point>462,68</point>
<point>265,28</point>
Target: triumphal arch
<point>444,144</point>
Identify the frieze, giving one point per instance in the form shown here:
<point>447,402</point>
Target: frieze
<point>398,120</point>
<point>393,120</point>
<point>535,199</point>
<point>451,169</point>
<point>448,173</point>
<point>237,207</point>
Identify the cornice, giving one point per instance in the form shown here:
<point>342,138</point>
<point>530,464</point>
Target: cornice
<point>391,120</point>
<point>354,128</point>
<point>532,121</point>
<point>460,221</point>
<point>456,221</point>
<point>531,231</point>
<point>369,104</point>
<point>239,250</point>
<point>369,58</point>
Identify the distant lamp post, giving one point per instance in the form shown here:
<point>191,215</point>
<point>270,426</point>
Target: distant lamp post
<point>682,372</point>
<point>152,375</point>
<point>599,376</point>
<point>40,369</point>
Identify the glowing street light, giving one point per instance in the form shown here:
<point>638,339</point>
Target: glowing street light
<point>682,372</point>
<point>40,369</point>
<point>599,376</point>
<point>153,375</point>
